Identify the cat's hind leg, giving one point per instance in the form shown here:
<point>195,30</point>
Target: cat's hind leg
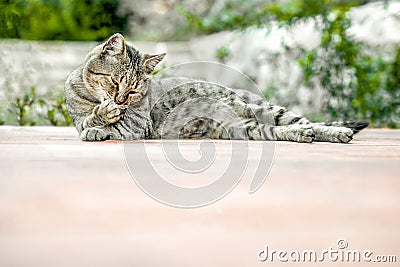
<point>252,130</point>
<point>285,122</point>
<point>355,125</point>
<point>283,116</point>
<point>338,133</point>
<point>295,132</point>
<point>332,134</point>
<point>246,129</point>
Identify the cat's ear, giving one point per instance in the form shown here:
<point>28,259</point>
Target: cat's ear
<point>150,62</point>
<point>114,46</point>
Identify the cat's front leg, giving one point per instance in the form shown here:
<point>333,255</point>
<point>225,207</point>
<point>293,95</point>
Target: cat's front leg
<point>117,131</point>
<point>108,112</point>
<point>95,134</point>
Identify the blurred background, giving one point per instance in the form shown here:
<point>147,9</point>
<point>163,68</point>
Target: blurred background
<point>329,60</point>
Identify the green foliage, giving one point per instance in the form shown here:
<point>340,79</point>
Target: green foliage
<point>22,105</point>
<point>29,108</point>
<point>60,19</point>
<point>240,15</point>
<point>361,81</point>
<point>57,113</point>
<point>223,53</point>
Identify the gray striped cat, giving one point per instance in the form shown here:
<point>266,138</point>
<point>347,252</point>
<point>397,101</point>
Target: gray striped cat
<point>113,95</point>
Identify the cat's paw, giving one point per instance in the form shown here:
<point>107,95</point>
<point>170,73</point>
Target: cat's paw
<point>333,134</point>
<point>302,133</point>
<point>343,135</point>
<point>110,111</point>
<point>305,134</point>
<point>94,134</point>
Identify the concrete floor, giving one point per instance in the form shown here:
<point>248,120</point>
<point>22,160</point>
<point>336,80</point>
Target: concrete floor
<point>64,202</point>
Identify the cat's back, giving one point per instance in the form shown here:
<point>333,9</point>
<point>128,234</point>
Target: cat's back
<point>176,85</point>
<point>160,85</point>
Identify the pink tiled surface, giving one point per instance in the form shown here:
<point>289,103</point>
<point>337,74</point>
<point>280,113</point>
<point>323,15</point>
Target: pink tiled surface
<point>64,202</point>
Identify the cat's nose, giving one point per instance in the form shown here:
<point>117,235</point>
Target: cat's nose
<point>118,100</point>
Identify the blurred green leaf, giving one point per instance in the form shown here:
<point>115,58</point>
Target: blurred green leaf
<point>60,19</point>
<point>361,81</point>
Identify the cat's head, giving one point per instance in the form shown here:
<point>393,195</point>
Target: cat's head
<point>115,70</point>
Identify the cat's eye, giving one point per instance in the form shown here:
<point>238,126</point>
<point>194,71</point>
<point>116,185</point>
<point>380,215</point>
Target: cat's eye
<point>98,73</point>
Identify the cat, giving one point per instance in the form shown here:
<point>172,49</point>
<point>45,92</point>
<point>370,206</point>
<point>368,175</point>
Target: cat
<point>113,95</point>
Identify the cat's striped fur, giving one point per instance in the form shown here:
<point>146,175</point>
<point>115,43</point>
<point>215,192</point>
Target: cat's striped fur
<point>113,96</point>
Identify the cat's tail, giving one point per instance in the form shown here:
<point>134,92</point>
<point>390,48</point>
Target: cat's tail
<point>354,125</point>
